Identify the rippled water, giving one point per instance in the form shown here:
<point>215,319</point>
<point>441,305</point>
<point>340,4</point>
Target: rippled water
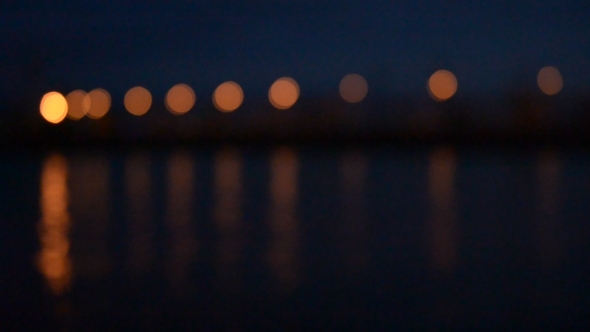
<point>237,238</point>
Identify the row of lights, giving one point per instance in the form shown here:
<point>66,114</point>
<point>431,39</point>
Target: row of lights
<point>228,96</point>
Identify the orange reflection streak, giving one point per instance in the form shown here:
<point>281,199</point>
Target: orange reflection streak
<point>548,177</point>
<point>353,88</point>
<point>138,100</point>
<point>180,99</point>
<point>442,227</point>
<point>138,187</point>
<point>353,170</point>
<point>91,211</point>
<point>283,93</point>
<point>227,213</point>
<point>97,103</point>
<point>53,260</point>
<point>75,104</point>
<point>179,218</point>
<point>228,97</point>
<point>549,80</point>
<point>53,107</point>
<point>283,222</point>
<point>442,85</point>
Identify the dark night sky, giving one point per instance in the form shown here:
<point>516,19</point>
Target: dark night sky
<point>396,45</point>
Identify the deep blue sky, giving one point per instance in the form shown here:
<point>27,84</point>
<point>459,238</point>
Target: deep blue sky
<point>491,46</point>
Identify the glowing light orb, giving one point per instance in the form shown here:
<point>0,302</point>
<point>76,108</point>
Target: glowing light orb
<point>75,101</point>
<point>180,99</point>
<point>283,93</point>
<point>228,97</point>
<point>138,100</point>
<point>97,103</point>
<point>442,85</point>
<point>353,88</point>
<point>53,107</point>
<point>550,80</point>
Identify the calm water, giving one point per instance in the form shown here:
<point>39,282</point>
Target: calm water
<point>295,239</point>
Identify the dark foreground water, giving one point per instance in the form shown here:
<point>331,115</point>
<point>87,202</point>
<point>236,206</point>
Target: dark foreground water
<point>295,239</point>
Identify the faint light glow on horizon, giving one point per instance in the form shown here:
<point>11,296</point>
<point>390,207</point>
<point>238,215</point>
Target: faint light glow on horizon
<point>180,99</point>
<point>353,88</point>
<point>442,85</point>
<point>53,107</point>
<point>98,103</point>
<point>228,97</point>
<point>549,80</point>
<point>53,260</point>
<point>76,108</point>
<point>138,100</point>
<point>283,93</point>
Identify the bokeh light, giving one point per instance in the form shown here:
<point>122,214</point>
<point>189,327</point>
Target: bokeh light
<point>97,103</point>
<point>550,80</point>
<point>180,99</point>
<point>353,88</point>
<point>442,85</point>
<point>138,100</point>
<point>228,97</point>
<point>283,93</point>
<point>53,107</point>
<point>75,101</point>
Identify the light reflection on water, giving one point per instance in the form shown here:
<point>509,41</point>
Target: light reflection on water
<point>353,173</point>
<point>168,235</point>
<point>549,168</point>
<point>83,190</point>
<point>283,224</point>
<point>53,260</point>
<point>227,216</point>
<point>140,212</point>
<point>442,229</point>
<point>90,207</point>
<point>180,218</point>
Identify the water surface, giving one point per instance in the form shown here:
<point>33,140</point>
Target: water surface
<point>235,238</point>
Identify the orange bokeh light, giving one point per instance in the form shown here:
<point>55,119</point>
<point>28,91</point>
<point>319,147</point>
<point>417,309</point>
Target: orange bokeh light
<point>442,85</point>
<point>353,88</point>
<point>53,107</point>
<point>283,93</point>
<point>228,97</point>
<point>97,103</point>
<point>549,80</point>
<point>180,99</point>
<point>75,101</point>
<point>138,100</point>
